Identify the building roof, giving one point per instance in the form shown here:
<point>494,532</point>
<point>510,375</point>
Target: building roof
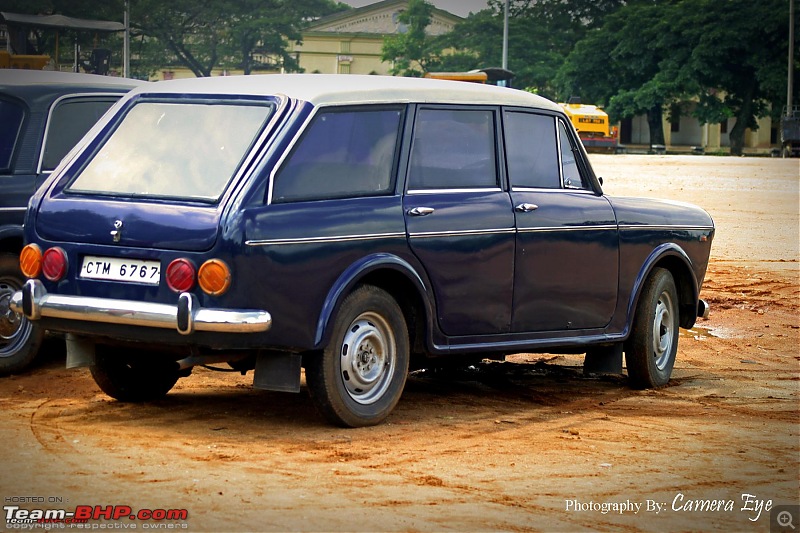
<point>60,21</point>
<point>377,6</point>
<point>343,89</point>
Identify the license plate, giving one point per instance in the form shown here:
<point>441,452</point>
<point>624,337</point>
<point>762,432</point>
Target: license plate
<point>116,269</point>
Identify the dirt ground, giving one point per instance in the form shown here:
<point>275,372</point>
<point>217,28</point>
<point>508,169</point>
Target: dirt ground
<point>525,445</point>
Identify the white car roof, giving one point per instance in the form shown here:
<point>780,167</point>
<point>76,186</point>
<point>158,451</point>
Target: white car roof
<point>343,89</point>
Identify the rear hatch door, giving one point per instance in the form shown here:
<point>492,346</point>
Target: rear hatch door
<point>157,175</point>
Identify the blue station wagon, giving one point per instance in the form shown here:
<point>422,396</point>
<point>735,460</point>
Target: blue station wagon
<point>350,226</point>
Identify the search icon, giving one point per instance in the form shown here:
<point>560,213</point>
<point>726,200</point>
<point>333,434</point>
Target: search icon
<point>785,519</point>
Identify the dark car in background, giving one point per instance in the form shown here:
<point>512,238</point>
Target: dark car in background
<point>352,226</point>
<point>42,117</point>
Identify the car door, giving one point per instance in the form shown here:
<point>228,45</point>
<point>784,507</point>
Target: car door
<point>459,220</point>
<point>567,264</point>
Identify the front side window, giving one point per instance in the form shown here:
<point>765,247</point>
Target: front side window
<point>343,154</point>
<point>569,165</point>
<point>70,121</point>
<point>174,150</point>
<point>453,149</point>
<point>531,151</point>
<point>11,116</point>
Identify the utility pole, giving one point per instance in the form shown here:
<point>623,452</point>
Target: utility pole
<point>505,41</point>
<point>790,81</point>
<point>126,43</point>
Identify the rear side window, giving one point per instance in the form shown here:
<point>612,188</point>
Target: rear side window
<point>174,150</point>
<point>343,154</point>
<point>69,121</point>
<point>532,151</point>
<point>453,149</point>
<point>11,116</point>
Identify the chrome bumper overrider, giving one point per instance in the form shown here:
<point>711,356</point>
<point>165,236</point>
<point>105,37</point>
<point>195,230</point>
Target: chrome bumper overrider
<point>187,316</point>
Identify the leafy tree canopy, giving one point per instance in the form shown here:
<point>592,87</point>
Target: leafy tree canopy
<point>412,52</point>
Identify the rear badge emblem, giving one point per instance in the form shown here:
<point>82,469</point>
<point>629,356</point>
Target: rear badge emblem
<point>117,233</point>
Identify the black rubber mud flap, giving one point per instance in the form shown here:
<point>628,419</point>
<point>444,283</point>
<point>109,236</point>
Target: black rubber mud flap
<point>278,372</point>
<point>604,360</point>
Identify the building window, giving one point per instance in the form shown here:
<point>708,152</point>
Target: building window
<point>675,125</point>
<point>345,47</point>
<point>344,68</point>
<point>723,126</point>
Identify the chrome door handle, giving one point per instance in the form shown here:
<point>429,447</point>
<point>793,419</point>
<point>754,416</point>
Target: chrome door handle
<point>526,208</point>
<point>420,211</point>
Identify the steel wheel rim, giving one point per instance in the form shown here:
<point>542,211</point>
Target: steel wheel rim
<point>663,330</point>
<point>14,328</point>
<point>368,356</point>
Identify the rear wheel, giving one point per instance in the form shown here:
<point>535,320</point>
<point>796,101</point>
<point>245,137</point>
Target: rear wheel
<point>358,378</point>
<point>651,349</point>
<point>130,377</point>
<point>20,338</point>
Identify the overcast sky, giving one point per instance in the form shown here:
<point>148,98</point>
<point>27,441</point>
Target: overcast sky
<point>461,8</point>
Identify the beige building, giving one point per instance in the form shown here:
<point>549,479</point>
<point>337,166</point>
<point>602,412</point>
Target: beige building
<point>687,134</point>
<point>350,42</point>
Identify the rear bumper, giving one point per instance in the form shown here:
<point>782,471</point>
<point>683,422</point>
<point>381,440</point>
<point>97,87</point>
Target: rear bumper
<point>186,317</point>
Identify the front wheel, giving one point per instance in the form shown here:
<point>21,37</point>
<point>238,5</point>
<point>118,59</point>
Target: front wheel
<point>130,377</point>
<point>20,338</point>
<point>358,378</point>
<point>651,349</point>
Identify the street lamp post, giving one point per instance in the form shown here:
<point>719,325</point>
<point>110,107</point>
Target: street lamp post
<point>505,41</point>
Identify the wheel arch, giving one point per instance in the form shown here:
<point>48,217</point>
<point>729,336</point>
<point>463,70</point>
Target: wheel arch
<point>395,276</point>
<point>673,258</point>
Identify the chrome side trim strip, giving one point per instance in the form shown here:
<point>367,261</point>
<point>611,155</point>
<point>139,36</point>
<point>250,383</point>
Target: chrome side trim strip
<point>451,191</point>
<point>316,240</point>
<point>34,301</point>
<point>663,227</point>
<point>13,209</point>
<point>462,233</point>
<point>551,229</point>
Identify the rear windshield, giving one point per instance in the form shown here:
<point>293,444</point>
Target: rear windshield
<point>174,150</point>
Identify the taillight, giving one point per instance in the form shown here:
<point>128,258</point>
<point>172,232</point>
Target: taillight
<point>54,263</point>
<point>214,277</point>
<point>30,261</point>
<point>180,275</point>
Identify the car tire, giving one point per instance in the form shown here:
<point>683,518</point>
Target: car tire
<point>128,378</point>
<point>359,377</point>
<point>20,338</point>
<point>651,349</point>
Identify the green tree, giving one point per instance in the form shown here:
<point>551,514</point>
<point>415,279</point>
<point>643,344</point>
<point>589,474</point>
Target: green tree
<point>412,51</point>
<point>628,64</point>
<point>650,56</point>
<point>265,27</point>
<point>737,58</point>
<point>541,35</point>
